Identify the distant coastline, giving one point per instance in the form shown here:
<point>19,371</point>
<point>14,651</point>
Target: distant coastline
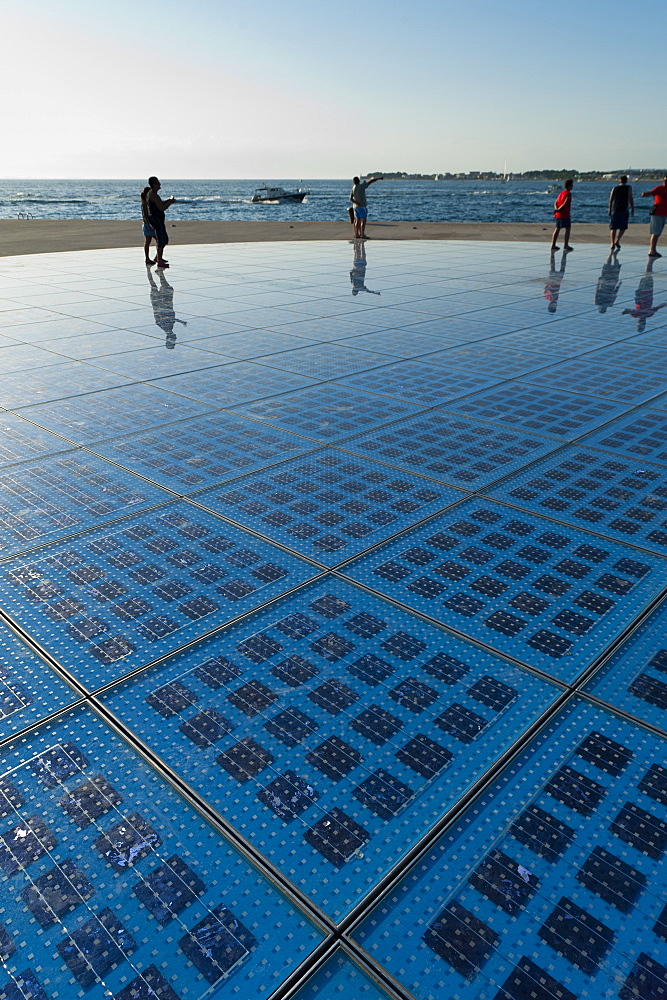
<point>527,175</point>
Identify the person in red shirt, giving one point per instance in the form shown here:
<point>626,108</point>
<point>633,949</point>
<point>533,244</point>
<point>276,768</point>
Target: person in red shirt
<point>562,209</point>
<point>658,215</point>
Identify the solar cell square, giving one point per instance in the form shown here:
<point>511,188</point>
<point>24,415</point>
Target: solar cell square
<point>107,414</point>
<point>199,452</point>
<point>20,440</point>
<point>351,503</point>
<point>615,496</point>
<point>52,497</point>
<point>232,383</point>
<point>558,639</point>
<point>58,381</point>
<point>642,434</point>
<point>592,379</point>
<point>251,343</point>
<point>521,871</point>
<point>156,362</point>
<point>150,853</point>
<point>630,354</point>
<point>339,688</point>
<point>108,620</point>
<point>543,411</point>
<point>405,343</point>
<point>458,450</point>
<point>418,382</point>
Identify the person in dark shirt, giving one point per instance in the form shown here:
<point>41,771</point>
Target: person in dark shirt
<point>621,207</point>
<point>658,215</point>
<point>156,209</point>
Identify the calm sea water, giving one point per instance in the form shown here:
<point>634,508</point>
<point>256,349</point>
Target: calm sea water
<point>419,201</point>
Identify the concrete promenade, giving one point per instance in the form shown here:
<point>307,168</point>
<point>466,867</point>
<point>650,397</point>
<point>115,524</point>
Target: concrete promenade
<point>19,236</point>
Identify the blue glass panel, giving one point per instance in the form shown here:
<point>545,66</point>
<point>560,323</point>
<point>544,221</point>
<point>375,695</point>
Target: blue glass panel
<point>406,343</point>
<point>550,595</point>
<point>18,357</point>
<point>611,494</point>
<point>324,328</point>
<point>114,886</point>
<point>635,678</point>
<point>251,343</point>
<point>543,411</point>
<point>641,433</point>
<point>457,450</point>
<point>332,730</point>
<point>98,344</point>
<point>156,362</point>
<point>325,361</point>
<point>200,452</point>
<point>55,382</point>
<point>551,886</point>
<point>416,382</point>
<point>52,497</point>
<point>327,412</point>
<point>236,382</point>
<point>20,440</point>
<point>340,978</point>
<point>100,415</point>
<point>628,386</point>
<point>116,597</point>
<point>563,344</point>
<point>490,360</point>
<point>329,506</point>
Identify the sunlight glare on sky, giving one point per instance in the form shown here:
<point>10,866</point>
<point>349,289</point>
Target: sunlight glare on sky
<point>320,89</point>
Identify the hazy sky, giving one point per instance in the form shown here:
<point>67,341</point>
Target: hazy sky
<point>210,88</point>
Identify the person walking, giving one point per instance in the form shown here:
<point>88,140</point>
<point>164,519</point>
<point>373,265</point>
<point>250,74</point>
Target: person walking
<point>562,215</point>
<point>621,207</point>
<point>156,209</point>
<point>358,199</point>
<point>149,232</point>
<point>658,215</point>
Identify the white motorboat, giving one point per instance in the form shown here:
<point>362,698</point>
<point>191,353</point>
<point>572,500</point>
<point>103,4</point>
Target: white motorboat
<point>276,195</point>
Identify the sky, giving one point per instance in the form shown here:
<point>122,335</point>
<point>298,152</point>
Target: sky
<point>287,89</point>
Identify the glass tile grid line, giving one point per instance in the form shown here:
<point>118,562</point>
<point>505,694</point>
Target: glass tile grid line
<point>248,688</point>
<point>111,827</point>
<point>551,599</point>
<point>565,839</point>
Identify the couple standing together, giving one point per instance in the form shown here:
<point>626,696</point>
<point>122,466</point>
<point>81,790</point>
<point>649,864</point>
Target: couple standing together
<point>152,212</point>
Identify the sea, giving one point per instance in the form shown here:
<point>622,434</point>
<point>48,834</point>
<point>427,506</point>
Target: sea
<point>328,200</point>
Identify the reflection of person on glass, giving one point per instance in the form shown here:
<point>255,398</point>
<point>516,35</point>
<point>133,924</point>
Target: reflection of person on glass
<point>162,300</point>
<point>358,272</point>
<point>608,283</point>
<point>552,287</point>
<point>644,307</point>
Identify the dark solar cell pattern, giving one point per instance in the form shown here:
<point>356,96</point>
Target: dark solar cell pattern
<point>551,595</point>
<point>117,873</point>
<point>641,433</point>
<point>575,887</point>
<point>614,495</point>
<point>331,700</point>
<point>329,506</point>
<point>318,641</point>
<point>452,449</point>
<point>551,412</point>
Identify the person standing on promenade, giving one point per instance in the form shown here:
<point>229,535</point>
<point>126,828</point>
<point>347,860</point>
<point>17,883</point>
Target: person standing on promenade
<point>658,215</point>
<point>562,215</point>
<point>621,206</point>
<point>149,232</point>
<point>156,209</point>
<point>358,199</point>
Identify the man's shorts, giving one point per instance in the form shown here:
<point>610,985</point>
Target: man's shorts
<point>149,232</point>
<point>360,213</point>
<point>657,224</point>
<point>160,233</point>
<point>563,223</point>
<point>619,220</point>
